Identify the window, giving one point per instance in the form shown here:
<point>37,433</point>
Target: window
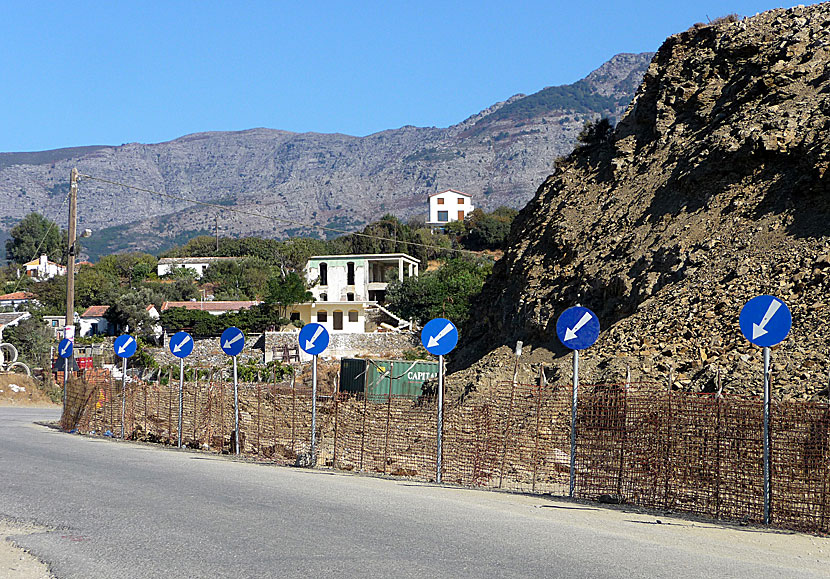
<point>440,201</point>
<point>295,316</point>
<point>461,201</point>
<point>338,320</point>
<point>54,323</point>
<point>322,317</point>
<point>324,274</point>
<point>443,216</point>
<point>324,297</point>
<point>461,215</point>
<point>350,273</point>
<point>349,297</point>
<point>353,316</point>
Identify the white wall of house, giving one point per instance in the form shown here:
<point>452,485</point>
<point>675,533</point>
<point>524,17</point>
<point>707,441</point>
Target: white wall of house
<point>95,326</point>
<point>448,206</point>
<point>336,317</point>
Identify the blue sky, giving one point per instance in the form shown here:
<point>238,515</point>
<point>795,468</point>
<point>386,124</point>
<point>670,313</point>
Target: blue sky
<point>82,73</point>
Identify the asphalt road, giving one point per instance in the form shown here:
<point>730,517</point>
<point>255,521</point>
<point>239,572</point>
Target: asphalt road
<point>128,510</point>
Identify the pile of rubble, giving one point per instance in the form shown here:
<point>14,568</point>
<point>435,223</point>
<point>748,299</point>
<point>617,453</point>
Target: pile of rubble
<point>713,188</point>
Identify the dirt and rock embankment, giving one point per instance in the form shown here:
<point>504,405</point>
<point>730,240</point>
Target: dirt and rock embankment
<point>713,188</point>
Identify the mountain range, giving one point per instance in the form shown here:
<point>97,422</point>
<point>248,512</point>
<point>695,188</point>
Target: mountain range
<point>499,155</point>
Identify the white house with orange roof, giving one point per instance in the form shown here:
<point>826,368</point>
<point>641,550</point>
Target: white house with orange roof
<point>449,205</point>
<point>17,300</point>
<point>43,269</point>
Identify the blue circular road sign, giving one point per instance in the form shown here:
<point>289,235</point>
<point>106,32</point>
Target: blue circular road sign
<point>125,346</point>
<point>439,336</point>
<point>314,338</point>
<point>765,321</point>
<point>577,328</point>
<point>65,348</point>
<point>181,344</point>
<point>232,341</point>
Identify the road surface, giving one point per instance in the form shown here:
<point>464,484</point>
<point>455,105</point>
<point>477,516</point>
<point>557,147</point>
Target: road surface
<point>112,509</point>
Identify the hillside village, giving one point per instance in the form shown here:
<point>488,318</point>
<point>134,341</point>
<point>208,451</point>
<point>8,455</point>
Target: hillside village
<point>212,283</point>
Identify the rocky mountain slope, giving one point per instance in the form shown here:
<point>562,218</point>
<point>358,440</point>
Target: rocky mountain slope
<point>714,188</point>
<point>499,155</point>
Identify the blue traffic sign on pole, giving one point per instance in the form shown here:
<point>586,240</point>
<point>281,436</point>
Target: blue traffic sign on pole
<point>765,321</point>
<point>577,328</point>
<point>232,341</point>
<point>439,336</point>
<point>65,348</point>
<point>125,346</point>
<point>314,339</point>
<point>181,344</point>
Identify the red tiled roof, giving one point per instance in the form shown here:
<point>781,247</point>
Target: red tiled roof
<point>95,312</point>
<point>17,296</point>
<point>210,306</point>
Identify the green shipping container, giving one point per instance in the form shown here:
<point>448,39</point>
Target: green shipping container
<point>352,375</point>
<point>379,378</point>
<point>398,378</point>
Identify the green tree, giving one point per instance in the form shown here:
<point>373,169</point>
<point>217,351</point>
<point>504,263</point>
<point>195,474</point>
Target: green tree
<point>27,235</point>
<point>33,340</point>
<point>129,311</point>
<point>132,268</point>
<point>448,291</point>
<point>286,290</point>
<point>94,287</point>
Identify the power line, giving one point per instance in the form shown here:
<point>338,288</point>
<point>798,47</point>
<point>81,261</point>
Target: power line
<point>272,218</point>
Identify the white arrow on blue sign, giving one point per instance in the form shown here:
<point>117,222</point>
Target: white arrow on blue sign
<point>577,328</point>
<point>65,348</point>
<point>125,346</point>
<point>314,339</point>
<point>765,321</point>
<point>181,344</point>
<point>232,341</point>
<point>439,336</point>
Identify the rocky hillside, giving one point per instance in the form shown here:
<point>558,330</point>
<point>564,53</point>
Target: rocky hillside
<point>714,188</point>
<point>499,155</point>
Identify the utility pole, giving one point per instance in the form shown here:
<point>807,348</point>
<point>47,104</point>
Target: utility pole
<point>70,260</point>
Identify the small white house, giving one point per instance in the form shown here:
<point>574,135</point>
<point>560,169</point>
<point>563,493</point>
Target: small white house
<point>17,300</point>
<point>93,322</point>
<point>167,265</point>
<point>43,269</point>
<point>449,205</point>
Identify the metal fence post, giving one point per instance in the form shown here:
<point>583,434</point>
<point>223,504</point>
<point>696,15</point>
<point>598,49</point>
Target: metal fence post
<point>766,439</point>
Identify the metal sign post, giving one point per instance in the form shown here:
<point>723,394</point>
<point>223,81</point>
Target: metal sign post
<point>765,321</point>
<point>577,328</point>
<point>235,409</point>
<point>767,494</point>
<point>314,410</point>
<point>181,345</point>
<point>439,337</point>
<point>572,478</point>
<point>124,346</point>
<point>232,341</point>
<point>314,339</point>
<point>439,454</point>
<point>65,351</point>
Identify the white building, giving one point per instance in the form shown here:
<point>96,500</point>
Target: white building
<point>167,265</point>
<point>213,308</point>
<point>449,205</point>
<point>350,290</point>
<point>93,323</point>
<point>17,300</point>
<point>43,269</point>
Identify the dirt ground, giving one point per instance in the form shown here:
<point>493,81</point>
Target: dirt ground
<point>20,390</point>
<point>15,563</point>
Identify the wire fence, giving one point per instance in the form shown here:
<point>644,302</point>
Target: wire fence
<point>641,445</point>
